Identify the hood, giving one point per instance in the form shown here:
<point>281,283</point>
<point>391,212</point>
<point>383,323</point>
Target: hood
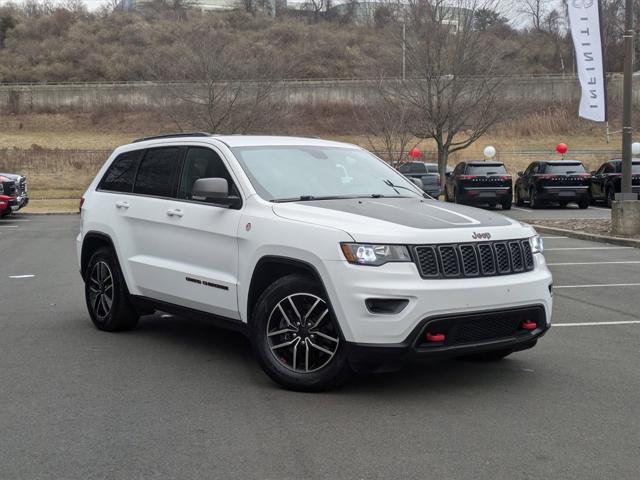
<point>405,220</point>
<point>11,176</point>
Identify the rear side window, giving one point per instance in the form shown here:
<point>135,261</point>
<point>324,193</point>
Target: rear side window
<point>414,168</point>
<point>157,172</point>
<point>119,177</point>
<point>488,169</point>
<point>564,168</point>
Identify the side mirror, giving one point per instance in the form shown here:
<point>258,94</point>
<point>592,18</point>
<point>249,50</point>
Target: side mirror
<point>448,174</point>
<point>418,183</point>
<point>520,174</point>
<point>593,173</point>
<point>215,191</point>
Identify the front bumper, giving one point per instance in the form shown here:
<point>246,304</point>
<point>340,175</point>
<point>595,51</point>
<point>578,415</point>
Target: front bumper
<point>466,334</point>
<point>353,285</point>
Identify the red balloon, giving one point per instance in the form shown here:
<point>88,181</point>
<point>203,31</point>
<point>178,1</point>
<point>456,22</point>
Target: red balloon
<point>562,148</point>
<point>415,152</point>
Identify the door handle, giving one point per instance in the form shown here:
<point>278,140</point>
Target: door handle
<point>121,204</point>
<point>176,212</point>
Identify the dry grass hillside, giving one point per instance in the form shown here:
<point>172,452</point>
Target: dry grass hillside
<point>61,152</point>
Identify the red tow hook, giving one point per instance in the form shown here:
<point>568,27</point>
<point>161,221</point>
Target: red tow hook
<point>435,337</point>
<point>529,325</point>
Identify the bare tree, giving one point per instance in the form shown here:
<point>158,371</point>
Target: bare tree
<point>535,11</point>
<point>219,86</point>
<point>453,84</point>
<point>387,120</point>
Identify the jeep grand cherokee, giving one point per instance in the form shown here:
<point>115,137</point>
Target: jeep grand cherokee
<point>325,256</point>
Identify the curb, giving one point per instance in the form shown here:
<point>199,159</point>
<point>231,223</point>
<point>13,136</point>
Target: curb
<point>29,214</point>
<point>626,242</point>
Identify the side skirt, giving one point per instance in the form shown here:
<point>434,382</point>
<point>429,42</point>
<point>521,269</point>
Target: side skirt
<point>146,304</point>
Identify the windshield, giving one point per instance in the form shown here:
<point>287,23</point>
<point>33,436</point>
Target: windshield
<point>488,169</point>
<point>565,168</point>
<point>284,173</point>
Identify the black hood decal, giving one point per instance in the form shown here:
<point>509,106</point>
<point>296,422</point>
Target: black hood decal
<point>416,212</point>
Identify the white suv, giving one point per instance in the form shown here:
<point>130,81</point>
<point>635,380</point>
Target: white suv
<point>327,258</point>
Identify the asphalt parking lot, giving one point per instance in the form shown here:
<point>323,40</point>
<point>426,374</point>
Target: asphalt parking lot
<point>176,399</point>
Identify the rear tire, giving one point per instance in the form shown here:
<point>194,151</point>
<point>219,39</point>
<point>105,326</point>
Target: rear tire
<point>518,199</point>
<point>296,337</point>
<point>563,204</point>
<point>106,294</point>
<point>584,202</point>
<point>506,205</point>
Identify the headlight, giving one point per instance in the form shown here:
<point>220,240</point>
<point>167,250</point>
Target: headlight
<point>537,244</point>
<point>376,255</point>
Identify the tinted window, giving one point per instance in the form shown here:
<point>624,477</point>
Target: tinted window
<point>432,168</point>
<point>202,163</point>
<point>635,167</point>
<point>413,168</point>
<point>609,168</point>
<point>488,169</point>
<point>157,172</point>
<point>564,168</point>
<point>119,177</point>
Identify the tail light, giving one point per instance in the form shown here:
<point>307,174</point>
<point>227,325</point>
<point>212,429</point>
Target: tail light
<point>467,177</point>
<point>583,175</point>
<point>504,177</point>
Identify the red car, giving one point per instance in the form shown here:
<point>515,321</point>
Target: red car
<point>8,196</point>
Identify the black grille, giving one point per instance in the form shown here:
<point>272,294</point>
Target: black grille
<point>474,328</point>
<point>488,329</point>
<point>8,188</point>
<point>474,259</point>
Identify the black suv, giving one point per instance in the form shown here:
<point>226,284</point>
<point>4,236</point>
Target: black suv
<point>607,180</point>
<point>553,181</point>
<point>475,183</point>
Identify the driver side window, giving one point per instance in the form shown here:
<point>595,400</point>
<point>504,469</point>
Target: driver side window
<point>202,163</point>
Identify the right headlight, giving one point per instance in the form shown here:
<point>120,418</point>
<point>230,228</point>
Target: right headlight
<point>374,255</point>
<point>537,244</point>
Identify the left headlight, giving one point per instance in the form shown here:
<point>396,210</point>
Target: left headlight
<point>374,255</point>
<point>537,244</point>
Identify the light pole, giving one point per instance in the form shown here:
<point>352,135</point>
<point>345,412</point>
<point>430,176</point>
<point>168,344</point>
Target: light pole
<point>404,50</point>
<point>627,126</point>
<point>625,212</point>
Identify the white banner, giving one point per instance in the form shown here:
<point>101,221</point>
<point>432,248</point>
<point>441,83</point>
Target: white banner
<point>584,17</point>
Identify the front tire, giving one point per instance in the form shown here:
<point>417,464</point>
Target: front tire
<point>610,197</point>
<point>533,199</point>
<point>106,294</point>
<point>296,337</point>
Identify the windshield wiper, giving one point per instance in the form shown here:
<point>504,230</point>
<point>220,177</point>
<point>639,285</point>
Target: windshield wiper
<point>309,198</point>
<point>389,183</point>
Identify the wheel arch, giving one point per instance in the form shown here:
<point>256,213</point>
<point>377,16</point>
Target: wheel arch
<point>90,243</point>
<point>272,267</point>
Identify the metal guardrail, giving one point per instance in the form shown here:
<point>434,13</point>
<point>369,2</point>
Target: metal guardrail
<point>344,80</point>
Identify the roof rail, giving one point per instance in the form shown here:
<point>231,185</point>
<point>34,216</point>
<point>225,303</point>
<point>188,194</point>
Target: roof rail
<point>173,135</point>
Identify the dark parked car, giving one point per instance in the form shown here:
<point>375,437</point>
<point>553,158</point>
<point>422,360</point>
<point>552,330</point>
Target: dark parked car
<point>475,183</point>
<point>606,181</point>
<point>553,181</point>
<point>427,173</point>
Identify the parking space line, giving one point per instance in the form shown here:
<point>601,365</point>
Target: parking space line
<point>587,248</point>
<point>599,285</point>
<point>594,324</point>
<point>591,263</point>
<point>522,209</point>
<point>8,226</point>
<point>21,276</point>
<point>554,238</point>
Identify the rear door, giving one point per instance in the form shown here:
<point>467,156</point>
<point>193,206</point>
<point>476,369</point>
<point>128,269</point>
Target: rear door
<point>145,215</point>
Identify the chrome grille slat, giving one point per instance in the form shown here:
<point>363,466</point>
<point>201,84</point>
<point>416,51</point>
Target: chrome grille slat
<point>474,259</point>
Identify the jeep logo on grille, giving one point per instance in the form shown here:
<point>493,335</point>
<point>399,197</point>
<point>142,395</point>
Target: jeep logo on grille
<point>481,236</point>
